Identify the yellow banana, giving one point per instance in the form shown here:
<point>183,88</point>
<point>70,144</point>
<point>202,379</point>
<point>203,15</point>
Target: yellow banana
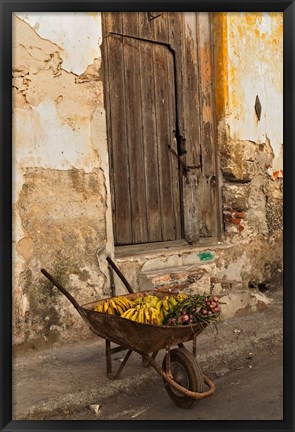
<point>120,310</point>
<point>111,309</point>
<point>159,306</point>
<point>105,306</point>
<point>162,314</point>
<point>129,303</point>
<point>158,320</point>
<point>180,297</point>
<point>99,307</point>
<point>120,301</point>
<point>153,315</point>
<point>113,304</point>
<point>140,317</point>
<point>147,317</point>
<point>134,315</point>
<point>128,313</point>
<point>138,300</point>
<point>172,301</point>
<point>166,304</point>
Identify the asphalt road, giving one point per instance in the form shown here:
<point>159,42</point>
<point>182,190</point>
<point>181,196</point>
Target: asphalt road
<point>251,388</point>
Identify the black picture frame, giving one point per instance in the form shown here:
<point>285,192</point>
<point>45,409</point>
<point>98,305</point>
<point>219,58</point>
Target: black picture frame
<point>7,8</point>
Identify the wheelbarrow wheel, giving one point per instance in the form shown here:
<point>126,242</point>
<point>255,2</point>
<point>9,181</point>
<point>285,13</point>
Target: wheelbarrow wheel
<point>186,372</point>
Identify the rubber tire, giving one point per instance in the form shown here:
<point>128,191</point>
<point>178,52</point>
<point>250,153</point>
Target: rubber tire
<point>194,375</point>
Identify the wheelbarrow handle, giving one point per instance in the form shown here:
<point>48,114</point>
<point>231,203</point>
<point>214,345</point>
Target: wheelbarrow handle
<point>121,276</point>
<point>62,289</point>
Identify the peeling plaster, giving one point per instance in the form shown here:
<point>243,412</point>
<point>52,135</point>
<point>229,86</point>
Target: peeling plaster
<point>50,143</point>
<point>74,32</point>
<point>242,75</point>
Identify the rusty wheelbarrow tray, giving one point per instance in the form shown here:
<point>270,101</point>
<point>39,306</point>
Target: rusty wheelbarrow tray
<point>183,378</point>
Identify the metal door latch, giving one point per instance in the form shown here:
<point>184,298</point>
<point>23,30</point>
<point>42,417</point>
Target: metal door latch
<point>186,168</point>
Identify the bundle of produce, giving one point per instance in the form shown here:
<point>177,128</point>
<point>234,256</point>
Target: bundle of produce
<point>147,309</point>
<point>194,309</point>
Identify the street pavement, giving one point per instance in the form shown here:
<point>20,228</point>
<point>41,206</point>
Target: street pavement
<point>251,390</point>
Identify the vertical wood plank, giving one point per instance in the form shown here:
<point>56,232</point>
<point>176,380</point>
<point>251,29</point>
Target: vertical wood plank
<point>173,161</point>
<point>113,22</point>
<point>181,38</point>
<point>131,49</point>
<point>145,27</point>
<point>164,139</point>
<point>118,145</point>
<point>120,158</point>
<point>176,40</point>
<point>153,204</point>
<point>191,185</point>
<point>209,217</point>
<point>191,95</point>
<point>159,24</point>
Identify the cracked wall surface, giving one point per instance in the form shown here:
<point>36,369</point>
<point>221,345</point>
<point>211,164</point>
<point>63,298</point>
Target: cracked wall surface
<point>60,173</point>
<point>62,217</point>
<point>249,63</point>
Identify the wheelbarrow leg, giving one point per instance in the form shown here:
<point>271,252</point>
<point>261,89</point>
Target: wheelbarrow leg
<point>109,352</point>
<point>145,363</point>
<point>194,345</point>
<point>181,345</point>
<point>108,357</point>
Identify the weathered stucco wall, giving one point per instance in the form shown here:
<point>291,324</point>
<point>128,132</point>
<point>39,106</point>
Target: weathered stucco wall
<point>249,62</point>
<point>62,218</point>
<point>60,172</point>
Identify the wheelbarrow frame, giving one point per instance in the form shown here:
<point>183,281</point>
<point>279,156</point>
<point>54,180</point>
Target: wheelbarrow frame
<point>115,329</point>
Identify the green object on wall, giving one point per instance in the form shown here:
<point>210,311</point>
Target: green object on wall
<point>206,256</point>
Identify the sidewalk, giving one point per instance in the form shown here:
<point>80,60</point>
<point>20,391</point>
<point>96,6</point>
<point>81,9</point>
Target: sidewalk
<point>65,377</point>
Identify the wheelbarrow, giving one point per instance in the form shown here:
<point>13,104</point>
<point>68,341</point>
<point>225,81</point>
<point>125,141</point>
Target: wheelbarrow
<point>183,378</point>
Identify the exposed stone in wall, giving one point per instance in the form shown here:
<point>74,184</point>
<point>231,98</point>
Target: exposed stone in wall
<point>274,207</point>
<point>241,160</point>
<point>248,198</point>
<point>235,196</point>
<point>251,260</point>
<point>63,219</point>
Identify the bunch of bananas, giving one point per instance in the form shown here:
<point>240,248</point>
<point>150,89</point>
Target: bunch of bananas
<point>143,313</point>
<point>148,309</point>
<point>115,305</point>
<point>152,310</point>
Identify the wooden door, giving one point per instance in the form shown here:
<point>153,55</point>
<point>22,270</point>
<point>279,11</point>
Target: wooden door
<point>159,94</point>
<point>145,174</point>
